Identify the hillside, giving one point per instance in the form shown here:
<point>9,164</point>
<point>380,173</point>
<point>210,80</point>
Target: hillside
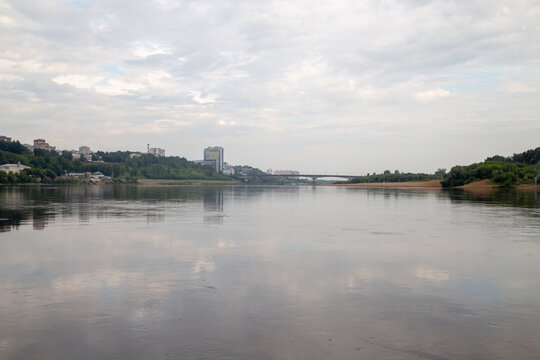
<point>49,166</point>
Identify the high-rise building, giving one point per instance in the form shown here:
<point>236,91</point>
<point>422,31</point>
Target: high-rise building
<point>214,154</point>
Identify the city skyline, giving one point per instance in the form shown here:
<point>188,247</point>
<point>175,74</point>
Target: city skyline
<point>331,87</point>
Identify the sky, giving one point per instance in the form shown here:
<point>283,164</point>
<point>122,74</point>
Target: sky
<point>338,86</point>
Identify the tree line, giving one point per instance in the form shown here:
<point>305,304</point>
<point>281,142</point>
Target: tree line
<point>508,171</point>
<point>48,166</point>
<point>505,171</point>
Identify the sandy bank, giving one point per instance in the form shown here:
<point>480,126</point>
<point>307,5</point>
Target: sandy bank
<point>488,184</point>
<point>479,184</point>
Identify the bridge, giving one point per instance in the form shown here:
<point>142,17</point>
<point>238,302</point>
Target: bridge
<point>313,177</point>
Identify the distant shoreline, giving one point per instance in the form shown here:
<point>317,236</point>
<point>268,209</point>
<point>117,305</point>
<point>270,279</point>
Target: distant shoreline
<point>405,184</point>
<point>436,184</point>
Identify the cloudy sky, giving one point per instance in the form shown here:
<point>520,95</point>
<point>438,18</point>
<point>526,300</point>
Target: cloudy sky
<point>347,86</point>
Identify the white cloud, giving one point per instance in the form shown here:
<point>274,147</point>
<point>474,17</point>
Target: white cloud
<point>518,88</point>
<point>341,76</point>
<point>7,21</point>
<point>118,87</point>
<point>99,84</point>
<point>10,78</point>
<point>197,96</point>
<point>146,49</point>
<point>431,95</point>
<point>78,81</point>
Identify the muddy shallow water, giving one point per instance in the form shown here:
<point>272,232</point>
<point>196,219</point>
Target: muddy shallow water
<point>195,272</point>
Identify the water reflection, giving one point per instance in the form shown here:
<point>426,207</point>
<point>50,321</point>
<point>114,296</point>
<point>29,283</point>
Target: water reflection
<point>213,205</point>
<point>39,205</point>
<point>509,197</point>
<point>267,273</point>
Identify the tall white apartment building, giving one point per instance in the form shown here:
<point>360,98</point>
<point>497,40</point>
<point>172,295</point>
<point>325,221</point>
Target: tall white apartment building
<point>214,154</point>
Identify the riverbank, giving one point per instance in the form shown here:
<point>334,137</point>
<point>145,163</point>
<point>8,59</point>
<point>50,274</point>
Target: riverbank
<point>405,184</point>
<point>477,185</point>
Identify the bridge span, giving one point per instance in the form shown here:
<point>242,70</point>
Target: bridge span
<point>313,177</point>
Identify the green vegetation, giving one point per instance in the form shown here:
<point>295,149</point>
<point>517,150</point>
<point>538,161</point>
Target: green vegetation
<point>121,166</point>
<point>505,171</point>
<point>48,166</point>
<point>396,176</point>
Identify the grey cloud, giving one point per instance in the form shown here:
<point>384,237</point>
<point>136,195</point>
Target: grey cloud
<point>336,76</point>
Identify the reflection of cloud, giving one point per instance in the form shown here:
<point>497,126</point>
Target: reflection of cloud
<point>203,266</point>
<point>430,273</point>
<point>224,244</point>
<point>78,282</point>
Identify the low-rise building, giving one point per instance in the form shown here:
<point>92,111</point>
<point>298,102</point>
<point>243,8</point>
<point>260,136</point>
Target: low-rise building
<point>5,138</point>
<point>42,144</point>
<point>227,170</point>
<point>85,150</point>
<point>14,168</point>
<point>99,175</point>
<point>75,174</point>
<point>211,163</point>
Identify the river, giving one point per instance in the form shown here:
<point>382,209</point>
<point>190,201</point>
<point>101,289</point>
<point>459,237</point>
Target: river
<point>235,272</point>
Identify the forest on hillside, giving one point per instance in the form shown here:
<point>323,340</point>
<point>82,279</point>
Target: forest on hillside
<point>48,166</point>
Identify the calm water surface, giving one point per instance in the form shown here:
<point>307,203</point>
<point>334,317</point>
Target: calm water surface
<point>127,272</point>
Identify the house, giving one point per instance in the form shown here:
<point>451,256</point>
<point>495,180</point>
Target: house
<point>14,168</point>
<point>75,174</point>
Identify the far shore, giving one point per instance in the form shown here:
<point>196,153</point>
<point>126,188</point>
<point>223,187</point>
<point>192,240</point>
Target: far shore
<point>405,184</point>
<point>482,184</point>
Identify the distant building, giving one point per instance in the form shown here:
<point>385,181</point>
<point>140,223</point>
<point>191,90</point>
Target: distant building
<point>214,154</point>
<point>286,172</point>
<point>134,155</point>
<point>205,162</point>
<point>156,151</point>
<point>5,138</point>
<point>42,144</point>
<point>227,170</point>
<point>14,168</point>
<point>29,147</point>
<point>98,175</point>
<point>85,150</point>
<point>76,174</point>
<point>245,170</point>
